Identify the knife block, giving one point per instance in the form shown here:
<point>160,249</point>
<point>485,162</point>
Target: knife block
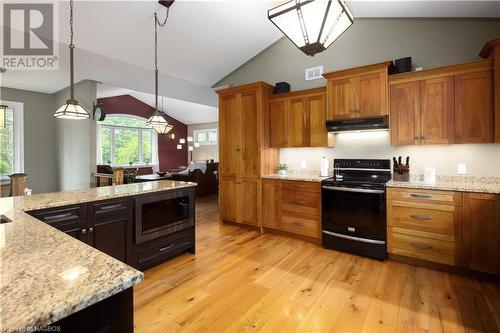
<point>405,177</point>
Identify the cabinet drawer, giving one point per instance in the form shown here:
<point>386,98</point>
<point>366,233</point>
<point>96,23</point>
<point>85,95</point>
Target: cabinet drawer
<point>111,207</point>
<point>428,196</point>
<point>422,245</point>
<point>430,220</point>
<point>301,202</point>
<point>301,224</point>
<point>59,215</point>
<point>301,186</point>
<point>155,252</point>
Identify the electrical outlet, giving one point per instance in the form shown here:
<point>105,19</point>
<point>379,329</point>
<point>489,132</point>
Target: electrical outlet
<point>461,169</point>
<point>303,164</point>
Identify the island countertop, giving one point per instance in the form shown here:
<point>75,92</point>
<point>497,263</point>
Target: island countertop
<point>47,275</point>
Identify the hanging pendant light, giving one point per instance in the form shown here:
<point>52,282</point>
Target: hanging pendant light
<point>158,121</point>
<point>3,115</point>
<point>71,110</point>
<point>312,25</point>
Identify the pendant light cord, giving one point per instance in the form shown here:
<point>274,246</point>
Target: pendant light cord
<point>71,48</point>
<point>161,24</point>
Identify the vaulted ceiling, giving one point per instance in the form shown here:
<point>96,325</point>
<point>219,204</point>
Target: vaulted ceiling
<point>202,42</point>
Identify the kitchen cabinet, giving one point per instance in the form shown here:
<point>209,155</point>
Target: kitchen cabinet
<point>298,119</point>
<point>69,219</point>
<point>445,105</point>
<point>481,232</point>
<point>491,50</point>
<point>359,92</point>
<point>293,207</point>
<point>425,225</point>
<point>238,202</point>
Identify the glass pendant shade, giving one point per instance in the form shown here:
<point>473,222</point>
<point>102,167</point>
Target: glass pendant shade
<point>190,139</point>
<point>196,144</point>
<point>182,140</point>
<point>312,25</point>
<point>190,148</point>
<point>71,110</point>
<point>179,147</point>
<point>158,122</point>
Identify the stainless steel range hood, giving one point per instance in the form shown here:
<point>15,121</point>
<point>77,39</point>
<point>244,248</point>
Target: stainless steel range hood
<point>357,125</point>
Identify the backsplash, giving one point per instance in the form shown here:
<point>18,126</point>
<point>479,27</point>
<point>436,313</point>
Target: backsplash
<point>481,160</point>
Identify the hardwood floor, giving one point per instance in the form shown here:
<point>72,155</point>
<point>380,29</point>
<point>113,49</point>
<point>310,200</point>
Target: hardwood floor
<point>242,282</point>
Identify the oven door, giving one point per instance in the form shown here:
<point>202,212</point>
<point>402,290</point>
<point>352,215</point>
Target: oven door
<point>354,212</point>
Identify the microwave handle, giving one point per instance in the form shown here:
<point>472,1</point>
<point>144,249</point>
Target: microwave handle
<point>350,189</point>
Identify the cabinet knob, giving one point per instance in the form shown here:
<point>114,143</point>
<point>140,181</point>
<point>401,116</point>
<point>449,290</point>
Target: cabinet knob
<point>91,229</point>
<point>84,231</point>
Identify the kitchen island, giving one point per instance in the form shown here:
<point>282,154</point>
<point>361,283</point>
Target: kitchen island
<point>48,277</point>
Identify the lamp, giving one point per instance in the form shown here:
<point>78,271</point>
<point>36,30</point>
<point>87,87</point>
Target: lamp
<point>71,110</point>
<point>312,25</point>
<point>190,148</point>
<point>190,139</point>
<point>179,147</point>
<point>3,115</point>
<point>196,144</point>
<point>182,141</point>
<point>157,121</point>
<point>172,136</point>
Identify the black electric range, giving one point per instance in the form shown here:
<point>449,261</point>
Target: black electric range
<point>354,207</point>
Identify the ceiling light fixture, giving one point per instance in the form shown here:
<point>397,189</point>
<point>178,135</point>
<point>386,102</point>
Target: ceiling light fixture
<point>158,121</point>
<point>71,110</point>
<point>312,25</point>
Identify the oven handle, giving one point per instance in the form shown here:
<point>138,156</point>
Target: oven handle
<point>350,189</point>
<point>358,239</point>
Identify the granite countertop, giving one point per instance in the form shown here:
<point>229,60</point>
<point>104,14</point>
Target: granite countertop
<point>47,275</point>
<point>307,176</point>
<point>453,183</point>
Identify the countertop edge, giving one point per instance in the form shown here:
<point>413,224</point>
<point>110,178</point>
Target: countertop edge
<point>466,187</point>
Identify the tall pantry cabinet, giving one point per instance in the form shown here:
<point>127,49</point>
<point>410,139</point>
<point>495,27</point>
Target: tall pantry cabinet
<point>244,151</point>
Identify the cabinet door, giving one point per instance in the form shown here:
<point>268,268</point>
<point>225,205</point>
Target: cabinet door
<point>317,132</point>
<point>481,232</point>
<point>341,98</point>
<point>474,107</point>
<point>228,199</point>
<point>229,135</point>
<point>248,195</point>
<point>69,219</point>
<point>437,111</point>
<point>112,235</point>
<point>405,113</point>
<point>270,203</point>
<point>249,154</point>
<point>371,95</point>
<point>296,114</point>
<point>278,123</point>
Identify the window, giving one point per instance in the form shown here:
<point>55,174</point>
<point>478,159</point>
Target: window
<point>12,140</point>
<point>206,136</point>
<point>126,140</point>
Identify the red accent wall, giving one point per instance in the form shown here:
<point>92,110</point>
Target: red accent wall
<point>169,155</point>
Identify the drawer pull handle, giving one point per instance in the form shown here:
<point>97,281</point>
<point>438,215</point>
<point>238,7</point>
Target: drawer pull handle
<point>419,217</point>
<point>166,247</point>
<point>298,224</point>
<point>59,216</point>
<point>421,196</point>
<point>421,246</point>
<point>299,202</point>
<point>110,207</point>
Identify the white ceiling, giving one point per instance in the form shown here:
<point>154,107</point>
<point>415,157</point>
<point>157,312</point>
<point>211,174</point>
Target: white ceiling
<point>186,112</point>
<point>203,41</point>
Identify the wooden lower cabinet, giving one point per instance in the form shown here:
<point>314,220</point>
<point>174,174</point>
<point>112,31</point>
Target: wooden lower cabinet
<point>292,206</point>
<point>239,200</point>
<point>481,247</point>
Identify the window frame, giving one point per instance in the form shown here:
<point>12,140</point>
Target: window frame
<point>18,136</point>
<point>154,144</point>
<point>207,135</point>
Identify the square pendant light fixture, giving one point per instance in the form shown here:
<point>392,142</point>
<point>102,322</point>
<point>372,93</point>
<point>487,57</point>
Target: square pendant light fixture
<point>182,140</point>
<point>312,25</point>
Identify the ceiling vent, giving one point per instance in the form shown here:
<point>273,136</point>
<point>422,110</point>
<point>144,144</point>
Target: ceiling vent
<point>314,73</point>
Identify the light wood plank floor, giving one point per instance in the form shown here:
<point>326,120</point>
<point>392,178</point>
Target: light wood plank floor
<point>242,282</point>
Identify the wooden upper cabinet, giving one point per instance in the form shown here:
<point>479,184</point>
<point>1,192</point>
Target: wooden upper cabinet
<point>491,50</point>
<point>481,232</point>
<point>405,113</point>
<point>452,104</point>
<point>229,118</point>
<point>358,92</point>
<point>297,122</point>
<point>341,98</point>
<point>474,107</point>
<point>436,115</point>
<point>278,122</point>
<point>298,119</point>
<point>371,94</point>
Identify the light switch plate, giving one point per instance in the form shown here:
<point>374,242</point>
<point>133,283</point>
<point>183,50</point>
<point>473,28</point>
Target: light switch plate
<point>303,164</point>
<point>461,169</point>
